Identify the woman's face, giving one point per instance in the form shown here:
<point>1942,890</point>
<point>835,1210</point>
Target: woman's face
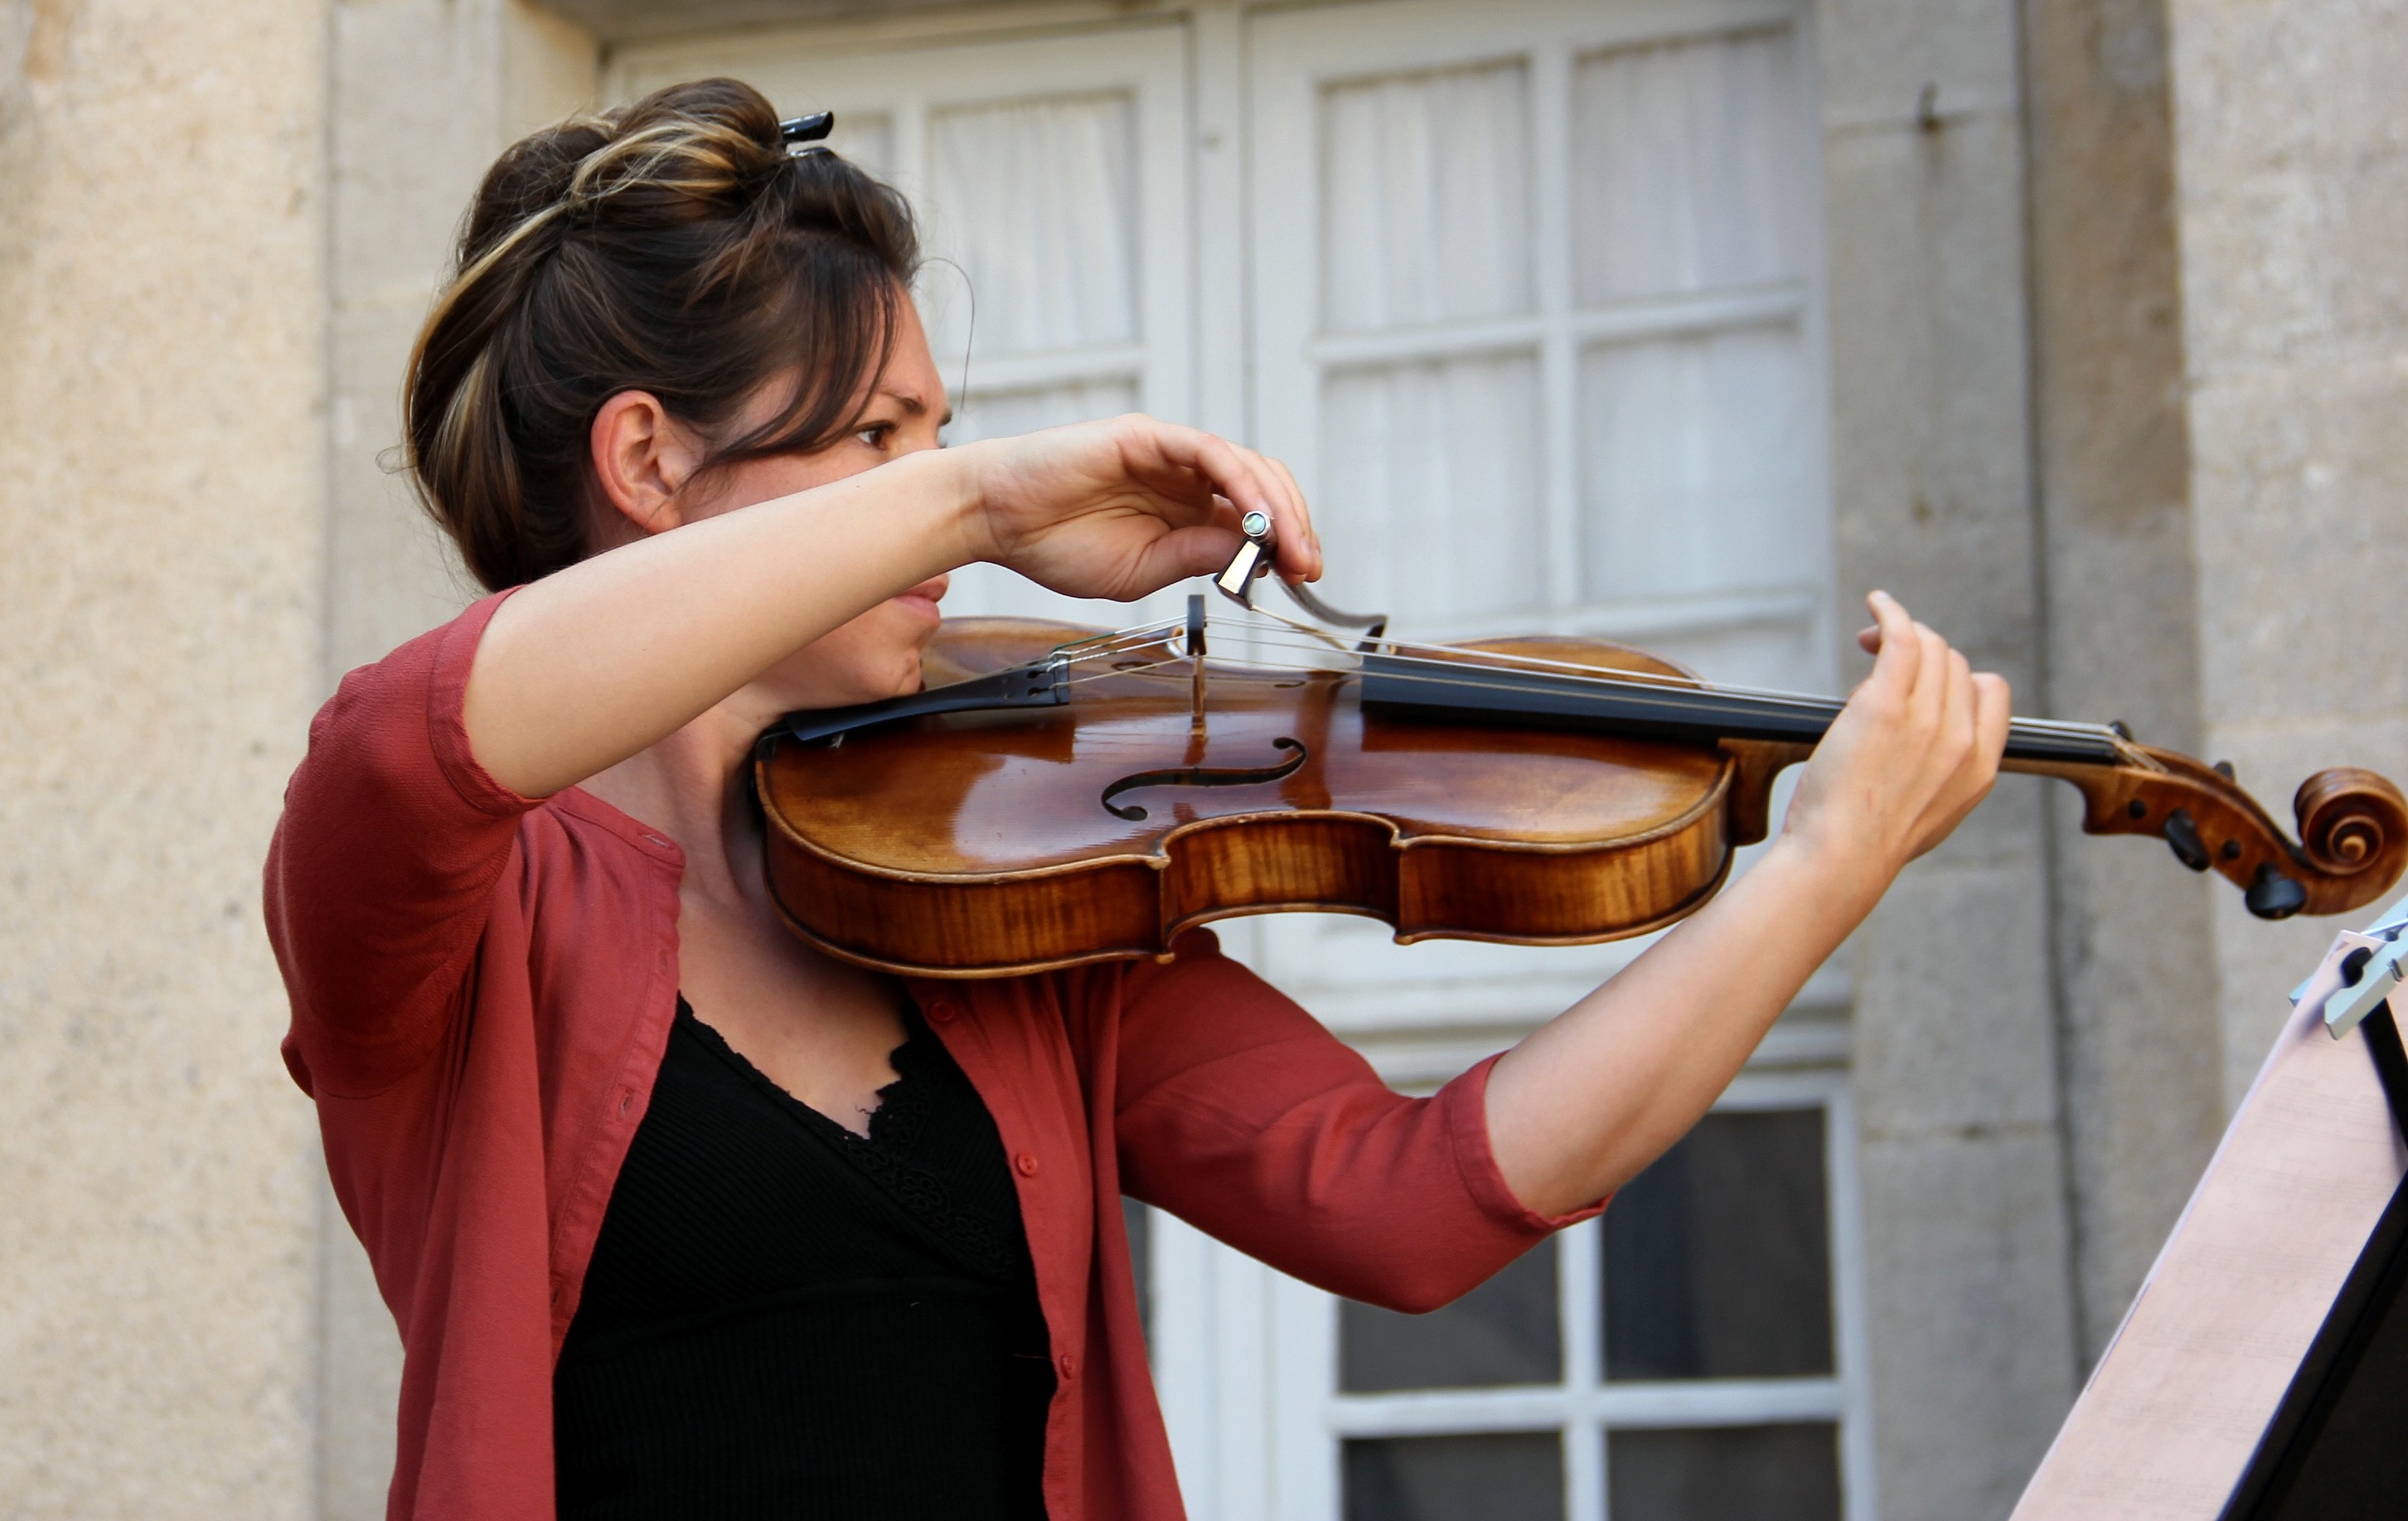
<point>877,655</point>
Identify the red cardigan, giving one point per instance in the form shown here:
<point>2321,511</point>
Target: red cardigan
<point>482,985</point>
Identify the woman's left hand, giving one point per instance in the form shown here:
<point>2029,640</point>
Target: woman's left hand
<point>1579,1108</point>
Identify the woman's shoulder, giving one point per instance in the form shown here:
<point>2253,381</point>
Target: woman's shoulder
<point>395,721</point>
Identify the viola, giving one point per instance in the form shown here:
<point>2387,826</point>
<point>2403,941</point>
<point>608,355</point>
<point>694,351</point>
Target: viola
<point>1059,794</point>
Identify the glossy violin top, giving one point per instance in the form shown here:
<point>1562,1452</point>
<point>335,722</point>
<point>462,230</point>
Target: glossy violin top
<point>1059,794</point>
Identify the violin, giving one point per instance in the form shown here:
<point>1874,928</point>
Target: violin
<point>1059,795</point>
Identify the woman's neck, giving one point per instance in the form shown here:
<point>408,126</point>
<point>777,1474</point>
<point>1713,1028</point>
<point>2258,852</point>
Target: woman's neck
<point>689,785</point>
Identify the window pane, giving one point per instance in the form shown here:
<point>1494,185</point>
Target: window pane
<point>867,138</point>
<point>1002,414</point>
<point>1697,465</point>
<point>1717,1258</point>
<point>1037,201</point>
<point>1502,1332</point>
<point>1429,495</point>
<point>1425,205</point>
<point>1725,1474</point>
<point>990,589</point>
<point>1686,169</point>
<point>1516,1477</point>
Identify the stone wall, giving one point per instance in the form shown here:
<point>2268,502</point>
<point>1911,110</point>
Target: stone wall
<point>2138,1042</point>
<point>1973,1351</point>
<point>163,297</point>
<point>2293,167</point>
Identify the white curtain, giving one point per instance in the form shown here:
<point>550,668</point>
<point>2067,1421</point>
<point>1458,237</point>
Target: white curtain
<point>1685,168</point>
<point>1430,500</point>
<point>992,589</point>
<point>867,138</point>
<point>1036,201</point>
<point>1695,453</point>
<point>1425,209</point>
<point>1429,496</point>
<point>1000,414</point>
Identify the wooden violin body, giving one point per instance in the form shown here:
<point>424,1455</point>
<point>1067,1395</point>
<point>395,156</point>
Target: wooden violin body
<point>1142,801</point>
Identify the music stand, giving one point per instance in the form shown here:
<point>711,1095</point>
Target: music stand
<point>2260,1373</point>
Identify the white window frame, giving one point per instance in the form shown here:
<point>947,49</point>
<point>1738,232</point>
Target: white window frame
<point>1247,1357</point>
<point>1339,43</point>
<point>1290,53</point>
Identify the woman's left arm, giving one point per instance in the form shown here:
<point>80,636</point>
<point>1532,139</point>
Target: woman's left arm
<point>1578,1108</point>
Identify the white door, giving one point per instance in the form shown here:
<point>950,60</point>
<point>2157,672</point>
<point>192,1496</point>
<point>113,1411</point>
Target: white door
<point>1526,291</point>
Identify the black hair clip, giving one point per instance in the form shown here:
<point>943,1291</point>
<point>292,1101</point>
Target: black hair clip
<point>803,134</point>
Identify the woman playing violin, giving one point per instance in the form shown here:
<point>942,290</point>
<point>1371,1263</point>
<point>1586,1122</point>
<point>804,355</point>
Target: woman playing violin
<point>680,1216</point>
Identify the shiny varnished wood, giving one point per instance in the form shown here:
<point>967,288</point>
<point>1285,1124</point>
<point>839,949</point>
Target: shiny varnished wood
<point>1006,858</point>
<point>983,843</point>
<point>2353,840</point>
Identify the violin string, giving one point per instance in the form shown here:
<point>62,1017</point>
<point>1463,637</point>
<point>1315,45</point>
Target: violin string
<point>1146,669</point>
<point>1451,666</point>
<point>2130,754</point>
<point>1452,675</point>
<point>1458,672</point>
<point>1459,659</point>
<point>1456,658</point>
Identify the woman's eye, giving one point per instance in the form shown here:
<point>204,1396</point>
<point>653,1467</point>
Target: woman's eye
<point>876,435</point>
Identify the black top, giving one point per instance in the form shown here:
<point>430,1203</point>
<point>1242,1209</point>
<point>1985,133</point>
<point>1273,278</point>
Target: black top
<point>784,1320</point>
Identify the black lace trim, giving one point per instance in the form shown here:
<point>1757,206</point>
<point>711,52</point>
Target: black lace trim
<point>895,1127</point>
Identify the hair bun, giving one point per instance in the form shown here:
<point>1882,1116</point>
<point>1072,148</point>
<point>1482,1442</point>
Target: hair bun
<point>700,151</point>
<point>669,246</point>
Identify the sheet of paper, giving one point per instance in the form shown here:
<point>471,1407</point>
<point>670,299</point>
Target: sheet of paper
<point>2175,1408</point>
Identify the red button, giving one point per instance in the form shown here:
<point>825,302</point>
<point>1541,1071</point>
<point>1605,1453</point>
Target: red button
<point>1070,1366</point>
<point>940,1012</point>
<point>1026,1164</point>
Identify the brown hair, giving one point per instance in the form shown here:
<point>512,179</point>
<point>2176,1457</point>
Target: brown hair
<point>672,246</point>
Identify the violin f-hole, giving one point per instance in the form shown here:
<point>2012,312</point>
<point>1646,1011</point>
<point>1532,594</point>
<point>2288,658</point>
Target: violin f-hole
<point>1203,776</point>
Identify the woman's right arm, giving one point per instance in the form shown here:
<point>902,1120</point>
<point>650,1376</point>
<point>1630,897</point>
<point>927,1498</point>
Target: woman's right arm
<point>384,864</point>
<point>596,662</point>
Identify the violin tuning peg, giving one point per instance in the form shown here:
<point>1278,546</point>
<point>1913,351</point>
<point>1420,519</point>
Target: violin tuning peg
<point>2223,770</point>
<point>2181,834</point>
<point>2273,895</point>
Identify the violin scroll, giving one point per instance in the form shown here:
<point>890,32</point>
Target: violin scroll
<point>2353,822</point>
<point>2353,827</point>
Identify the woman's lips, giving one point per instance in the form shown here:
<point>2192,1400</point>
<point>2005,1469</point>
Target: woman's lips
<point>919,606</point>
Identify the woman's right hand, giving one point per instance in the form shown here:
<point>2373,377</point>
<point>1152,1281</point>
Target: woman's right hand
<point>1122,508</point>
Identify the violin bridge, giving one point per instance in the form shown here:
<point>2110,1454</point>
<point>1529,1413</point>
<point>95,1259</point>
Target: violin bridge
<point>1196,659</point>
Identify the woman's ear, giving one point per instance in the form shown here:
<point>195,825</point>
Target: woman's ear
<point>642,457</point>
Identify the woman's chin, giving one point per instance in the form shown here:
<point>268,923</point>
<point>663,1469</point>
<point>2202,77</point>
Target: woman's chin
<point>894,676</point>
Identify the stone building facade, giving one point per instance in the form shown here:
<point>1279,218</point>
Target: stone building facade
<point>2114,304</point>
